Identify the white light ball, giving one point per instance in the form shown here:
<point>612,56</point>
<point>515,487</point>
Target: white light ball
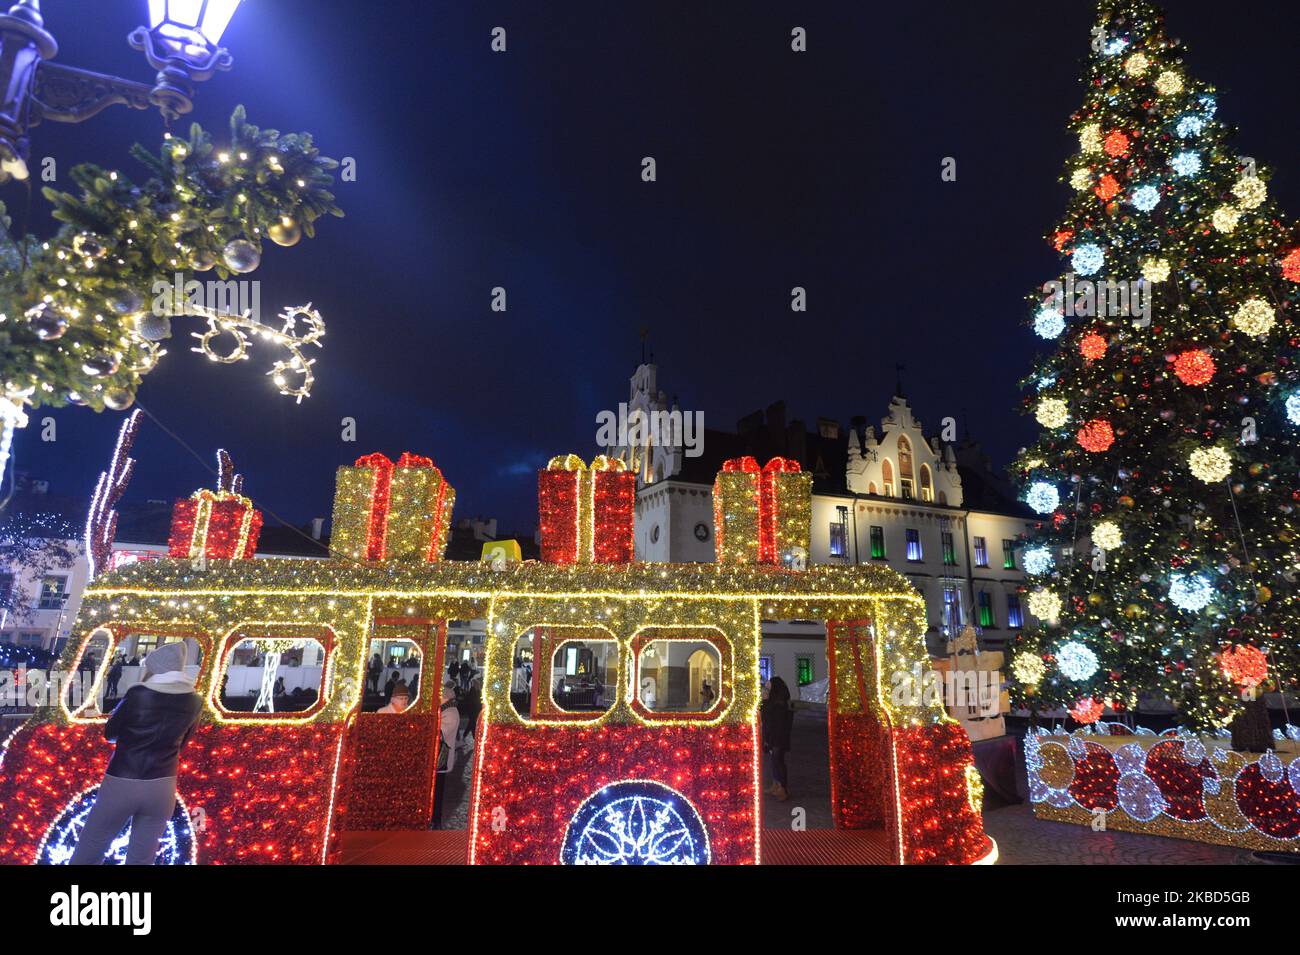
<point>1076,662</point>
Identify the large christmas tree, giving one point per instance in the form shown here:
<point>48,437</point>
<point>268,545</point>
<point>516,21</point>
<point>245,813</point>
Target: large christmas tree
<point>1170,409</point>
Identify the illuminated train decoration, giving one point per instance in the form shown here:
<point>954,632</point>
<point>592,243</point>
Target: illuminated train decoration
<point>580,770</point>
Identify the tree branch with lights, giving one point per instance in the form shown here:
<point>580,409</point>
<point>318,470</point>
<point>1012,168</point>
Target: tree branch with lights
<point>81,318</point>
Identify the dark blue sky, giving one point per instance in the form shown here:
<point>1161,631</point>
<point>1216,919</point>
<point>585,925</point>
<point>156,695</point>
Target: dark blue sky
<point>522,170</point>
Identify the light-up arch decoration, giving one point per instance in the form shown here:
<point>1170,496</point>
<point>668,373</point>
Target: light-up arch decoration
<point>636,822</point>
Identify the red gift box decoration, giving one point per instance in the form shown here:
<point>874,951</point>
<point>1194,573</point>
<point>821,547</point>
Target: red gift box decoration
<point>386,510</point>
<point>586,514</point>
<point>761,515</point>
<point>220,525</point>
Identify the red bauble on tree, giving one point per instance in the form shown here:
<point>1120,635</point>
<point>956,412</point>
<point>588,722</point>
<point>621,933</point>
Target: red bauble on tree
<point>1092,346</point>
<point>1244,665</point>
<point>1194,367</point>
<point>1096,436</point>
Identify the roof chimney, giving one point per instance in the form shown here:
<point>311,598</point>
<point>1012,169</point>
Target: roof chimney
<point>317,526</point>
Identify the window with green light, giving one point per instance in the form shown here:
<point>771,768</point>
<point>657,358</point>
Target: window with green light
<point>805,670</point>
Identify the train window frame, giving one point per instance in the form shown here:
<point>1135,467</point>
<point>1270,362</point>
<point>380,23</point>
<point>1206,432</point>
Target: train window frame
<point>722,646</point>
<point>119,633</point>
<point>577,718</point>
<point>412,708</point>
<point>324,635</point>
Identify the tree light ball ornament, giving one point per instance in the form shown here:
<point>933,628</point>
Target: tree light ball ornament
<point>1028,668</point>
<point>1225,218</point>
<point>1116,145</point>
<point>1048,323</point>
<point>1145,198</point>
<point>1244,665</point>
<point>1211,465</point>
<point>1108,536</point>
<point>1293,408</point>
<point>1081,178</point>
<point>1291,266</point>
<point>1038,561</point>
<point>1088,258</point>
<point>1096,436</point>
<point>1250,191</point>
<point>1168,83</point>
<point>1189,126</point>
<point>1043,497</point>
<point>1137,64</point>
<point>1190,592</point>
<point>1076,662</point>
<point>1186,163</point>
<point>1155,270</point>
<point>1255,318</point>
<point>1044,605</point>
<point>1052,413</point>
<point>1090,138</point>
<point>1092,346</point>
<point>1087,710</point>
<point>1108,188</point>
<point>1194,367</point>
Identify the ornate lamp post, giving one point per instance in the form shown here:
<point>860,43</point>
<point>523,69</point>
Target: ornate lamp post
<point>181,43</point>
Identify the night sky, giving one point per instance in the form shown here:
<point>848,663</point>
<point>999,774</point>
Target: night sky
<point>522,170</point>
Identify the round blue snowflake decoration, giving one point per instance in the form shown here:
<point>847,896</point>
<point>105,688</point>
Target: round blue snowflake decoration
<point>1088,258</point>
<point>175,848</point>
<point>635,822</point>
<point>1038,560</point>
<point>1075,661</point>
<point>1043,497</point>
<point>1293,408</point>
<point>1187,163</point>
<point>1146,197</point>
<point>1048,323</point>
<point>1190,591</point>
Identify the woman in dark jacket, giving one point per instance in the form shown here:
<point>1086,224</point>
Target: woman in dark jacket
<point>150,726</point>
<point>778,720</point>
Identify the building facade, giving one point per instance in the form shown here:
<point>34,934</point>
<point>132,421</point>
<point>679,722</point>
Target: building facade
<point>933,511</point>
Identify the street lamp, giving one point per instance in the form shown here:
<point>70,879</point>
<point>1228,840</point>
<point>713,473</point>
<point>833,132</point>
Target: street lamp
<point>181,43</point>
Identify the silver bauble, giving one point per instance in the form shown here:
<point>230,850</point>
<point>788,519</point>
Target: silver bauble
<point>240,255</point>
<point>153,328</point>
<point>98,366</point>
<point>118,399</point>
<point>284,232</point>
<point>47,321</point>
<point>125,301</point>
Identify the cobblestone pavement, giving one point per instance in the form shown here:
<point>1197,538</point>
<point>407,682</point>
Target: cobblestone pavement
<point>1024,840</point>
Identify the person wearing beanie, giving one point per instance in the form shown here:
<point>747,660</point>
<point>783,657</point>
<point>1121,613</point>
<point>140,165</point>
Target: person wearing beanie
<point>149,726</point>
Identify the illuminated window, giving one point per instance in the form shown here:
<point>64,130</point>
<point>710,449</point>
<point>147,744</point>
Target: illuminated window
<point>986,609</point>
<point>804,667</point>
<point>521,676</point>
<point>905,478</point>
<point>1015,616</point>
<point>271,673</point>
<point>839,539</point>
<point>877,542</point>
<point>54,593</point>
<point>1008,555</point>
<point>679,676</point>
<point>392,666</point>
<point>981,552</point>
<point>914,545</point>
<point>764,669</point>
<point>953,617</point>
<point>927,484</point>
<point>583,675</point>
<point>887,477</point>
<point>949,550</point>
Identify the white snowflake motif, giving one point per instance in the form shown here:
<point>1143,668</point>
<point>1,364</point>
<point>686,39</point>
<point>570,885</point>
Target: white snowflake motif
<point>642,824</point>
<point>174,848</point>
